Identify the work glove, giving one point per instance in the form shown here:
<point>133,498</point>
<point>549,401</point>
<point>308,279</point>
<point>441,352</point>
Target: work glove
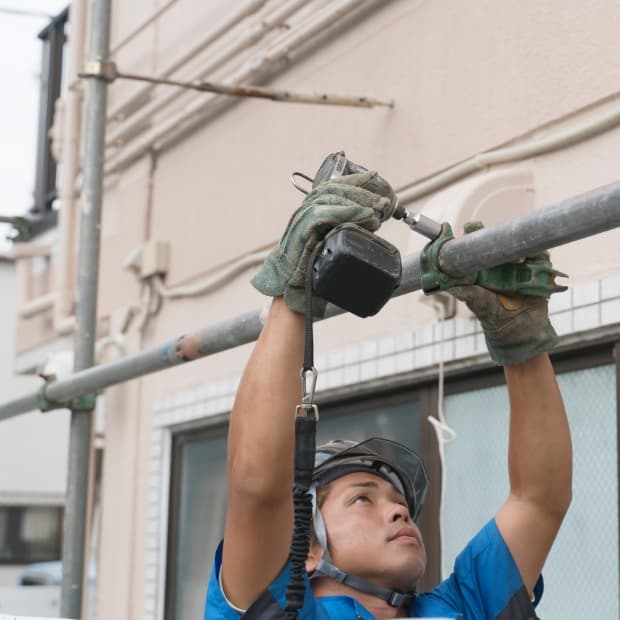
<point>517,327</point>
<point>335,202</point>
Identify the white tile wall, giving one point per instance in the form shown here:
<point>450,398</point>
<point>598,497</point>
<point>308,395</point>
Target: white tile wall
<point>610,288</point>
<point>563,322</point>
<point>561,301</point>
<point>586,294</point>
<point>587,317</point>
<point>610,311</point>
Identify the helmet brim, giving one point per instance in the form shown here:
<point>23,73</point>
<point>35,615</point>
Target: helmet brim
<point>407,465</point>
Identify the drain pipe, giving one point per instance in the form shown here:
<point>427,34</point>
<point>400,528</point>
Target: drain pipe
<point>63,304</point>
<point>74,528</point>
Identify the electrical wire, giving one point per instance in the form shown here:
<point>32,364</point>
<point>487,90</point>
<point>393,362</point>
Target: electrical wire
<point>212,282</point>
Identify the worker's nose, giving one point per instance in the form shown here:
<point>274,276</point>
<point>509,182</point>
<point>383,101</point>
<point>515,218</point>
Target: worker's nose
<point>398,512</point>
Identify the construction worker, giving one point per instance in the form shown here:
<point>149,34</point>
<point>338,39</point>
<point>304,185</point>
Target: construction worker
<point>367,553</point>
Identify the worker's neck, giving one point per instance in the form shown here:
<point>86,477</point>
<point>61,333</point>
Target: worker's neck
<point>323,586</point>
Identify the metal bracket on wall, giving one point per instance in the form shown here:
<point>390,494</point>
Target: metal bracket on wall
<point>108,72</point>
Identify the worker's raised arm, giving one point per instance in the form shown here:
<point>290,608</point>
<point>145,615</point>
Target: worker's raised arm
<point>259,516</point>
<point>539,465</point>
<point>519,335</point>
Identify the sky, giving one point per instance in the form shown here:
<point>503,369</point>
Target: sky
<point>20,66</point>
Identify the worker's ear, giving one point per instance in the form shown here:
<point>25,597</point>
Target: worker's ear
<point>315,554</point>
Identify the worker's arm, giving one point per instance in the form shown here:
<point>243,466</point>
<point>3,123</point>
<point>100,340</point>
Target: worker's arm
<point>260,459</point>
<point>539,464</point>
<point>259,515</point>
<point>518,336</point>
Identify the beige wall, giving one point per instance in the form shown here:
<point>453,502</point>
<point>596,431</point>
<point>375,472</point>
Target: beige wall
<point>465,77</point>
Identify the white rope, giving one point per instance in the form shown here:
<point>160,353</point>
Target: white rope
<point>444,433</point>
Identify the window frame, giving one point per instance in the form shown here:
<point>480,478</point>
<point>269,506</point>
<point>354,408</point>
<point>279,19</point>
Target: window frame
<point>14,523</point>
<point>216,428</point>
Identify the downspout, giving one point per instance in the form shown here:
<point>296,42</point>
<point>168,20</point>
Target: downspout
<point>65,277</point>
<point>74,527</point>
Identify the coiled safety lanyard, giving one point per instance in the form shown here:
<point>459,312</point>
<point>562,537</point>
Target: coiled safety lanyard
<point>306,416</point>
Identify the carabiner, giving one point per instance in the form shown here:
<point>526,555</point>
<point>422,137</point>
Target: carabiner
<point>307,395</point>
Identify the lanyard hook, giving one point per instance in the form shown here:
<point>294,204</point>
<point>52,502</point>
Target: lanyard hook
<point>307,408</point>
<point>308,384</point>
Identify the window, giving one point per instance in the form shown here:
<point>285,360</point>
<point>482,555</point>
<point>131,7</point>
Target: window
<point>30,534</point>
<point>584,558</point>
<point>198,497</point>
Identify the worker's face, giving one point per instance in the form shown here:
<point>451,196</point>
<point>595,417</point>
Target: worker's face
<point>370,533</point>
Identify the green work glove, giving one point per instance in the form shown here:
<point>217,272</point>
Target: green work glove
<point>516,328</point>
<point>342,200</point>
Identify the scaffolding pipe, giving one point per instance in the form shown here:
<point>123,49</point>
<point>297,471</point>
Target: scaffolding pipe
<point>74,527</point>
<point>566,221</point>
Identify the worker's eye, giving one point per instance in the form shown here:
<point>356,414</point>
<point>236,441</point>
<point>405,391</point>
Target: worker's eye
<point>360,499</point>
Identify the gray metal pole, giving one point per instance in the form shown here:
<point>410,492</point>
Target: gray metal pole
<point>552,226</point>
<point>74,529</point>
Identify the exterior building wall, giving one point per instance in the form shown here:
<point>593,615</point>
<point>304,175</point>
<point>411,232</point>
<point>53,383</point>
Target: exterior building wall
<point>463,82</point>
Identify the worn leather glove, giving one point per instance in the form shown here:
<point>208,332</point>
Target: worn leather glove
<point>516,328</point>
<point>344,199</point>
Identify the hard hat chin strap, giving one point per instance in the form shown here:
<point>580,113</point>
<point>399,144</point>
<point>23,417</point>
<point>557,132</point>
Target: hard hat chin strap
<point>326,568</point>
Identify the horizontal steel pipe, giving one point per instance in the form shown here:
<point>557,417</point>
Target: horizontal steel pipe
<point>569,220</point>
<point>561,223</point>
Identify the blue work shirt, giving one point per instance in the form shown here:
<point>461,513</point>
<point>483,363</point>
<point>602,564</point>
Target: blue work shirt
<point>484,585</point>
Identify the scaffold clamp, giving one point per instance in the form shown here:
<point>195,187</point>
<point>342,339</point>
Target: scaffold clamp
<point>432,278</point>
<point>531,276</point>
<point>101,69</point>
<point>84,402</point>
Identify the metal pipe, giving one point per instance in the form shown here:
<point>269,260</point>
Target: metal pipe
<point>74,530</point>
<point>569,220</point>
<point>65,281</point>
<point>274,94</point>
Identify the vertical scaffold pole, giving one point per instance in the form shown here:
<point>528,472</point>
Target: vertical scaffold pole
<point>74,527</point>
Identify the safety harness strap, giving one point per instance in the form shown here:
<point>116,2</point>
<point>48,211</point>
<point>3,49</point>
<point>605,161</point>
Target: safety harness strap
<point>265,607</point>
<point>306,415</point>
